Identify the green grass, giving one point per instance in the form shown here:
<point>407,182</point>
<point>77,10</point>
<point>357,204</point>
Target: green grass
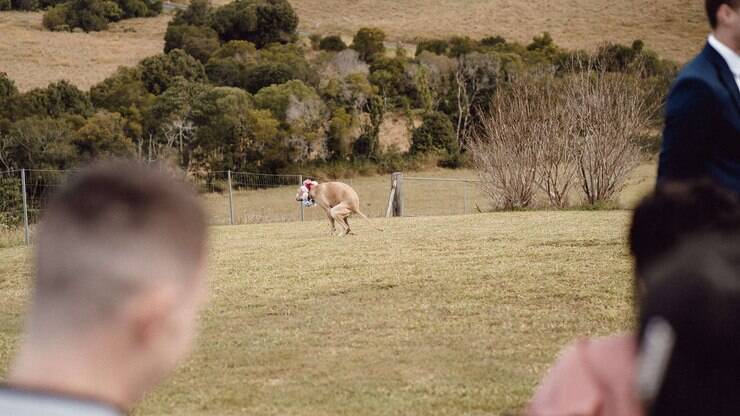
<point>437,315</point>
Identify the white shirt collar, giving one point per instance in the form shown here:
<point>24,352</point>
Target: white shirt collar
<point>730,56</point>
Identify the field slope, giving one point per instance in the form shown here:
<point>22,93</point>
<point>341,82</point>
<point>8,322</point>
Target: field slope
<point>437,315</point>
<point>674,28</point>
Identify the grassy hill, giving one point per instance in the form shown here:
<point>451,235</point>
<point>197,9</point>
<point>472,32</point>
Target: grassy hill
<point>437,315</point>
<point>675,28</point>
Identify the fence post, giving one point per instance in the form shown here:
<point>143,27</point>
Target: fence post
<point>231,199</point>
<point>300,204</point>
<point>25,206</point>
<point>397,178</point>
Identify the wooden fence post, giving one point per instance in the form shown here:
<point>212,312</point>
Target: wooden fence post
<point>397,178</point>
<point>25,206</point>
<point>231,200</point>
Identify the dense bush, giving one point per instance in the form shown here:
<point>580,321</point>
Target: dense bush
<point>436,46</point>
<point>11,201</point>
<point>5,5</point>
<point>259,21</point>
<point>239,64</point>
<point>103,135</point>
<point>340,136</point>
<point>157,72</point>
<point>198,41</point>
<point>369,43</point>
<point>95,15</point>
<point>436,133</point>
<point>332,43</point>
<point>7,89</point>
<point>53,101</point>
<point>124,93</point>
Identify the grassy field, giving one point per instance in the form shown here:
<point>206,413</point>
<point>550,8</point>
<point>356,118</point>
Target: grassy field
<point>674,28</point>
<point>437,315</point>
<point>422,198</point>
<point>33,57</point>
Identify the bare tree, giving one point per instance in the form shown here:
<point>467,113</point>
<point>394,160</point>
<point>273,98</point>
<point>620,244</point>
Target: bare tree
<point>505,149</point>
<point>606,113</point>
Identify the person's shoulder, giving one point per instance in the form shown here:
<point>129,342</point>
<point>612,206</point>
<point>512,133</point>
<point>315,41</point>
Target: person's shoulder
<point>699,75</point>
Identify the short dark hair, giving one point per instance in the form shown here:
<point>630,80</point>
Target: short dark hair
<point>713,6</point>
<point>109,231</point>
<point>696,292</point>
<point>676,211</point>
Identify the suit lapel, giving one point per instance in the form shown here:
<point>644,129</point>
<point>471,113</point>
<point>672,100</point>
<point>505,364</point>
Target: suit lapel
<point>725,75</point>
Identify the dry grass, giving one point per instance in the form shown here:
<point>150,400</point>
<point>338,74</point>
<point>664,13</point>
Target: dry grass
<point>674,28</point>
<point>34,57</point>
<point>421,198</point>
<point>444,315</point>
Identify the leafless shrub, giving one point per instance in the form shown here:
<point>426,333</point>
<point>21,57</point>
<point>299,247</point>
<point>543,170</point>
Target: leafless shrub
<point>505,149</point>
<point>606,113</point>
<point>552,134</point>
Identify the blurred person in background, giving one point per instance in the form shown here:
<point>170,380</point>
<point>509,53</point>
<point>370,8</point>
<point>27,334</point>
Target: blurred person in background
<point>702,126</point>
<point>120,275</point>
<point>596,376</point>
<point>689,332</point>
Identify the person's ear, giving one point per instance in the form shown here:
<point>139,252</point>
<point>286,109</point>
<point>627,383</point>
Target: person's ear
<point>725,13</point>
<point>149,314</point>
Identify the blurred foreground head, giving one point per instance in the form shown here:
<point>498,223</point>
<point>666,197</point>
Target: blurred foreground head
<point>120,275</point>
<point>676,212</point>
<point>689,332</point>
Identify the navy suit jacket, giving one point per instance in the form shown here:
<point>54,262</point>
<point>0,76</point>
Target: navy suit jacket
<point>702,128</point>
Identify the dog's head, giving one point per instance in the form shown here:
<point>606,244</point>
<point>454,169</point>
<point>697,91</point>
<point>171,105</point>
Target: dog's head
<point>305,190</point>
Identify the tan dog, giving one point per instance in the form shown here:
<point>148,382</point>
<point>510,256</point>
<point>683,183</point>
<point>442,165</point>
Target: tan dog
<point>338,200</point>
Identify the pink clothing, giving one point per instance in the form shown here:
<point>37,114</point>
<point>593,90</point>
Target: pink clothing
<point>592,377</point>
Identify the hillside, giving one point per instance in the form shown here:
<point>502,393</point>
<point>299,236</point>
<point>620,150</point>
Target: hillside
<point>463,321</point>
<point>33,57</point>
<point>675,28</point>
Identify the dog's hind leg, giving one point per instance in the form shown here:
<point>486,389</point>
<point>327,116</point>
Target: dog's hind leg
<point>340,213</point>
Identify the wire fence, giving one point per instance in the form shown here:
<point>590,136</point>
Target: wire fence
<point>231,198</point>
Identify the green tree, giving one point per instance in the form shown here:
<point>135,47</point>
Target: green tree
<point>369,43</point>
<point>158,72</point>
<point>40,142</point>
<point>332,43</point>
<point>7,89</point>
<point>103,135</point>
<point>436,133</point>
<point>259,21</point>
<point>198,41</point>
<point>339,140</point>
<point>58,98</point>
<point>124,93</point>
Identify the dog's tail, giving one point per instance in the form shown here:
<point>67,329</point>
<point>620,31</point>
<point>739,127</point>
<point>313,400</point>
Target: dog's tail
<point>365,217</point>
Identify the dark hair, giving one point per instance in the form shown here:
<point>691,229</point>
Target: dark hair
<point>696,292</point>
<point>713,6</point>
<point>676,211</point>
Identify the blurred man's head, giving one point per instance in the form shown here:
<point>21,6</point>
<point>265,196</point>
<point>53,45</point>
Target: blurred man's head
<point>120,274</point>
<point>676,212</point>
<point>689,332</point>
<point>724,17</point>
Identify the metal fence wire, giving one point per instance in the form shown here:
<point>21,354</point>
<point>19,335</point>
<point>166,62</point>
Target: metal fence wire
<point>247,198</point>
